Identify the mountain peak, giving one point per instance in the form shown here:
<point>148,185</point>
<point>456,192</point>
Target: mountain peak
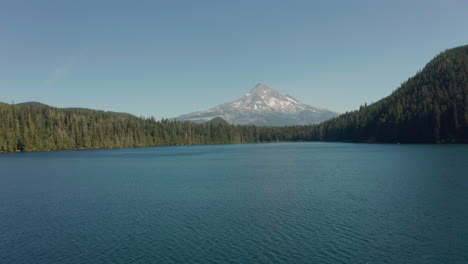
<point>262,87</point>
<point>263,91</point>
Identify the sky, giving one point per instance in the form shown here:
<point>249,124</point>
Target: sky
<point>167,58</point>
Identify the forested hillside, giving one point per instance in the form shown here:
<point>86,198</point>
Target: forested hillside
<point>32,128</point>
<point>430,107</point>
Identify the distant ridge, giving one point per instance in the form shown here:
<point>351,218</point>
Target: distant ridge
<point>217,121</point>
<point>33,104</point>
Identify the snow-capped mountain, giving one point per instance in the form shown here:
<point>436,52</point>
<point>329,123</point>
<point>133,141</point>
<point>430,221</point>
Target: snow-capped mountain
<point>263,106</point>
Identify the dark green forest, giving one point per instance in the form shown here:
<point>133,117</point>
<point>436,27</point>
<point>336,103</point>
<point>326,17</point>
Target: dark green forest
<point>34,128</point>
<point>431,107</point>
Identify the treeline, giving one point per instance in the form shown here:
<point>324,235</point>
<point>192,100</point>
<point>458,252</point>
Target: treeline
<point>33,128</point>
<point>430,107</point>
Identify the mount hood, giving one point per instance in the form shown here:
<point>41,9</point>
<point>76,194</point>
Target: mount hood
<point>263,106</point>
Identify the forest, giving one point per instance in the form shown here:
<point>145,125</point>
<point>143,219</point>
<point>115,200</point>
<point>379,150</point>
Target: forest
<point>431,107</point>
<point>35,128</point>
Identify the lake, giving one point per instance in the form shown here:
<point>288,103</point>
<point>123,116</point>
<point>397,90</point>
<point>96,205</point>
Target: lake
<point>245,203</point>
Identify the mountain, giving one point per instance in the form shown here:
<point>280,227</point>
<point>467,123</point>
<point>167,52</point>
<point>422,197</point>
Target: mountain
<point>430,107</point>
<point>263,106</point>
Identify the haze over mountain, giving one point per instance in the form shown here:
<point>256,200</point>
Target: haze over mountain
<point>263,106</point>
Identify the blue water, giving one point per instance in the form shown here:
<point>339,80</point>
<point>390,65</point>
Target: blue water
<point>250,203</point>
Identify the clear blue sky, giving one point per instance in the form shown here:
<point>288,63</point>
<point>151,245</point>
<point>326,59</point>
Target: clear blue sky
<point>166,58</point>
